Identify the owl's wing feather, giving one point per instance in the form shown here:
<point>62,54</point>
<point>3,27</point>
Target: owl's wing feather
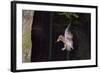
<point>66,31</point>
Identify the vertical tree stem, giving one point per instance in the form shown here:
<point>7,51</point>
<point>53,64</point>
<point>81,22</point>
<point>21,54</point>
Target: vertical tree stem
<point>68,55</point>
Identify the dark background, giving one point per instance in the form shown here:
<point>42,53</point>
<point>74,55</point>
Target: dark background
<point>46,28</point>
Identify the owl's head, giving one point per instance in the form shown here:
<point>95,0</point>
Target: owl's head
<point>60,38</point>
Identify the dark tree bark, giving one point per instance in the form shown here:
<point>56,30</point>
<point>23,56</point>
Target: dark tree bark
<point>40,36</point>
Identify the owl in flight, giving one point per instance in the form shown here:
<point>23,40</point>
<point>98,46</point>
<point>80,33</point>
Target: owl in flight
<point>67,39</point>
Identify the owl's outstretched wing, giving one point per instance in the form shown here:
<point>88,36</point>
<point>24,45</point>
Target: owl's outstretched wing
<point>66,31</point>
<point>68,38</point>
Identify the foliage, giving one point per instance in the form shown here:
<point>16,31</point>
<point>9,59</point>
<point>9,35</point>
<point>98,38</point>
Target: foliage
<point>26,46</point>
<point>69,14</point>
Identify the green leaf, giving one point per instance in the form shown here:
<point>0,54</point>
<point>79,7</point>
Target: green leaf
<point>69,14</point>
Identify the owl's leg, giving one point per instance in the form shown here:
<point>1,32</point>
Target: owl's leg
<point>65,46</point>
<point>72,46</point>
<point>63,49</point>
